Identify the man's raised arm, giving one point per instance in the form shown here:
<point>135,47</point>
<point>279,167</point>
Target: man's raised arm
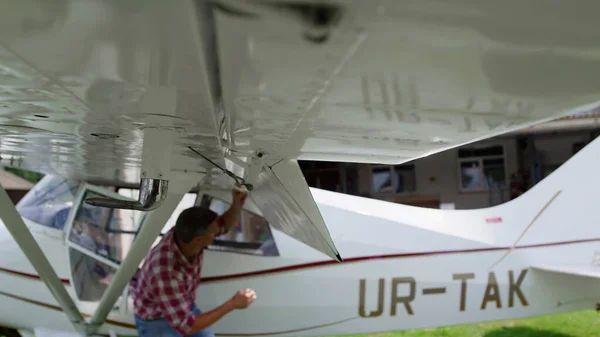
<point>232,215</point>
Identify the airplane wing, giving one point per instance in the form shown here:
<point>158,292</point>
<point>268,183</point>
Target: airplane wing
<point>81,86</point>
<point>575,270</point>
<point>352,81</point>
<point>382,81</point>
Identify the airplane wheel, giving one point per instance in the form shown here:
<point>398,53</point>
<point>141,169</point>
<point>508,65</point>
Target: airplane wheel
<point>8,332</point>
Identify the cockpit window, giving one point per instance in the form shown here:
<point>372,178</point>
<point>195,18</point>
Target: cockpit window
<point>107,232</point>
<point>48,203</point>
<point>251,235</point>
<point>90,276</point>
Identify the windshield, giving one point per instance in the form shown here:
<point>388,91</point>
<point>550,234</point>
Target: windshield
<point>48,203</point>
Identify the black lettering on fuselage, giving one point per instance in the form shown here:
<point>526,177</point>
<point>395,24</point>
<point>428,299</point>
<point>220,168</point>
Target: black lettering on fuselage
<point>463,287</point>
<point>492,293</point>
<point>402,299</point>
<point>363,295</point>
<point>399,295</point>
<point>515,288</point>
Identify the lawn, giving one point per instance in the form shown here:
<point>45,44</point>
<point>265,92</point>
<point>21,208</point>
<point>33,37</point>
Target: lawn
<point>575,324</point>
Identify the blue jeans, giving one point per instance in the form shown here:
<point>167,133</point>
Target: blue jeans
<point>161,328</point>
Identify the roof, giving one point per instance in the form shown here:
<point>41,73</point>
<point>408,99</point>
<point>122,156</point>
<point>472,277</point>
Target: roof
<point>12,181</point>
<point>594,113</point>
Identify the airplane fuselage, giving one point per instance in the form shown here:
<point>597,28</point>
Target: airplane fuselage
<point>395,276</point>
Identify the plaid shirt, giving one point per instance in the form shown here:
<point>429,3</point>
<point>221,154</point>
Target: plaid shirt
<point>165,286</point>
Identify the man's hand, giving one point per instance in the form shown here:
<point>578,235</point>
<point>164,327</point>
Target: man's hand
<point>239,198</point>
<point>243,298</point>
<point>232,215</point>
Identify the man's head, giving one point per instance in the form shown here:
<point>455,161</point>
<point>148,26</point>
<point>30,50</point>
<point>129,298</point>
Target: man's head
<point>196,227</point>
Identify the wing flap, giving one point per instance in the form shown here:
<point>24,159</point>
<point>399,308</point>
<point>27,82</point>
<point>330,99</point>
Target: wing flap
<point>286,202</point>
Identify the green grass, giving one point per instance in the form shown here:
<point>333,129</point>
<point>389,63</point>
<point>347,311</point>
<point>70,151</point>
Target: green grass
<point>575,324</point>
<point>32,177</point>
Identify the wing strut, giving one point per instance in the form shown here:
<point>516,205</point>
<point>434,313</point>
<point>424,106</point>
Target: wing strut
<point>19,231</point>
<point>143,241</point>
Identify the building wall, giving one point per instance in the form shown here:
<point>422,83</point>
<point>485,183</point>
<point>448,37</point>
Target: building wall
<point>437,176</point>
<point>558,148</point>
<point>16,195</point>
<point>444,169</point>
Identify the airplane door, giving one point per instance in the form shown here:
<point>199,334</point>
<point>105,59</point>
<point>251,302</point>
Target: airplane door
<point>98,239</point>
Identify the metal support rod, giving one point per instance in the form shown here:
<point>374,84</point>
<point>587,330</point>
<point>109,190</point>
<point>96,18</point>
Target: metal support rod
<point>29,246</point>
<point>150,230</point>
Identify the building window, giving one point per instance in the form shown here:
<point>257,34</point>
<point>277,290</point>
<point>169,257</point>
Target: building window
<point>397,179</point>
<point>323,175</point>
<point>331,176</point>
<point>482,168</point>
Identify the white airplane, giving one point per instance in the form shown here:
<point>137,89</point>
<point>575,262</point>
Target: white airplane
<point>177,94</point>
<point>405,267</point>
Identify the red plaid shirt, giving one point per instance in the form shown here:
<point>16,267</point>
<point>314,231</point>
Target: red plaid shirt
<point>165,286</point>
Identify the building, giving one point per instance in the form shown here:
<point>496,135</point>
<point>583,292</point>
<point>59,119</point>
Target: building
<point>476,175</point>
<point>15,186</point>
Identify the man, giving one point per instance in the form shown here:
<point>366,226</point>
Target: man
<point>165,289</point>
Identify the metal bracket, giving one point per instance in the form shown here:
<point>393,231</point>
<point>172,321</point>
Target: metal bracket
<point>254,168</point>
<point>156,153</point>
<point>152,194</point>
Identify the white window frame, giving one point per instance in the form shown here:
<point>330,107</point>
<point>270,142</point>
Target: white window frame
<point>393,193</point>
<point>480,159</point>
<point>83,188</point>
<point>123,305</point>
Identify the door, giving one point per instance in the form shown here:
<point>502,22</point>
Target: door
<point>98,239</point>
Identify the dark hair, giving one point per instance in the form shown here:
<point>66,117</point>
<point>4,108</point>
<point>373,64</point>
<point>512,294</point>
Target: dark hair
<point>193,221</point>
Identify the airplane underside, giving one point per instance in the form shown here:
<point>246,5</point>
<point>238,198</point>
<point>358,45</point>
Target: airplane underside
<point>171,97</point>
